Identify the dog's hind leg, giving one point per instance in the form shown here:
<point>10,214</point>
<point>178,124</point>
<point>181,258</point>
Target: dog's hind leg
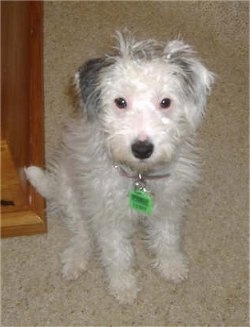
<point>75,256</point>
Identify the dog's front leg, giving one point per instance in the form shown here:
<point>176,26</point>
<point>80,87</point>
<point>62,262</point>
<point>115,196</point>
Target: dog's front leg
<point>117,257</point>
<point>164,241</point>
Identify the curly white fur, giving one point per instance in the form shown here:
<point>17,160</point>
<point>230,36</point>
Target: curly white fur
<point>84,185</point>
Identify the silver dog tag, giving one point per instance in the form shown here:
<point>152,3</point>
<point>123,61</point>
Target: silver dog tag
<point>140,184</point>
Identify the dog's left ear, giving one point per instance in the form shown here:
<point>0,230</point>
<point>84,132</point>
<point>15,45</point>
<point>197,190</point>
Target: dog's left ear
<point>197,79</point>
<point>87,82</point>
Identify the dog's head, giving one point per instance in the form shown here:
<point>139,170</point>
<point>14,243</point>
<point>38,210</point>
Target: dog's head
<point>148,97</point>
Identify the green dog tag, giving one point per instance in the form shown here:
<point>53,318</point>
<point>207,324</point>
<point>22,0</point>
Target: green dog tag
<point>141,201</point>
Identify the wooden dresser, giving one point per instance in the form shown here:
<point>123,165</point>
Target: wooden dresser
<point>22,140</point>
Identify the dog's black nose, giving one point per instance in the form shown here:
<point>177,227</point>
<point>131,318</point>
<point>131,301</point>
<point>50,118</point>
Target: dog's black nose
<point>142,149</point>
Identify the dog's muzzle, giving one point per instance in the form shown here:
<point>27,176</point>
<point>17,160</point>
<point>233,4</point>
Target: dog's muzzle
<point>142,149</point>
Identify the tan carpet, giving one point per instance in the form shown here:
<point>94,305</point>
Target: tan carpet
<point>216,229</point>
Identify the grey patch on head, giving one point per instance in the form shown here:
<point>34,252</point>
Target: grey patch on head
<point>179,54</point>
<point>190,70</point>
<point>188,77</point>
<point>87,80</point>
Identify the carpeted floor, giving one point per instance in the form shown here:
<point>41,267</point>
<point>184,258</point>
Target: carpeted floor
<point>216,229</point>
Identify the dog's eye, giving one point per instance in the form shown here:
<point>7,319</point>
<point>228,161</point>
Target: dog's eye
<point>121,103</point>
<point>165,103</point>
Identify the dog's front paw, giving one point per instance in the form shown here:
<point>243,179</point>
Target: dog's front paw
<point>124,288</point>
<point>173,267</point>
<point>73,265</point>
<point>72,271</point>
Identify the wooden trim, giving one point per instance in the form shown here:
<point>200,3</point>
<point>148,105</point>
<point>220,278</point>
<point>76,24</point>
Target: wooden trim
<point>22,223</point>
<point>22,111</point>
<point>36,123</point>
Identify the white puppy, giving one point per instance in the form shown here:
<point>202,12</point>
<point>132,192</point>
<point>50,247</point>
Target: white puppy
<point>130,153</point>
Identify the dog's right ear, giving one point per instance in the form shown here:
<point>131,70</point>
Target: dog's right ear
<point>87,82</point>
